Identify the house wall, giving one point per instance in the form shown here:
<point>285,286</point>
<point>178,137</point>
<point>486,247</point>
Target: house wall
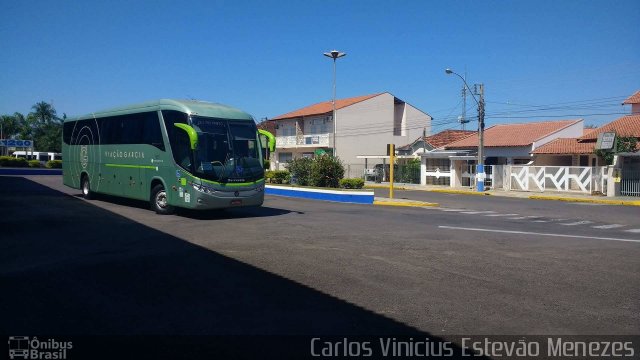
<point>365,128</point>
<point>507,153</point>
<point>416,122</point>
<point>574,131</point>
<point>553,160</point>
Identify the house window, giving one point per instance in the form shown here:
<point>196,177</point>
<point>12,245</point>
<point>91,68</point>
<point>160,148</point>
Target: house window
<point>584,160</point>
<point>442,164</point>
<point>286,129</point>
<point>285,157</point>
<point>318,126</point>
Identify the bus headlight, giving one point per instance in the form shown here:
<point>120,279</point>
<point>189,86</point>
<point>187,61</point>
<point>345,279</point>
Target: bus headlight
<point>260,188</point>
<point>202,189</point>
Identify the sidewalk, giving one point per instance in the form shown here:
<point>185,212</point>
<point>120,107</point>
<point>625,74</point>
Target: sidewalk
<point>558,196</point>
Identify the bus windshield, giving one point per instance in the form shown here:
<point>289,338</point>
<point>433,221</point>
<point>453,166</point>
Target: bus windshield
<point>227,150</point>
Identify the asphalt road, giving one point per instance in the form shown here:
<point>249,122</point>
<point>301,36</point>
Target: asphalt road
<point>110,266</point>
<point>596,213</point>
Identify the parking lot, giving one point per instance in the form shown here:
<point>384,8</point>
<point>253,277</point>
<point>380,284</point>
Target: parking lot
<point>302,267</point>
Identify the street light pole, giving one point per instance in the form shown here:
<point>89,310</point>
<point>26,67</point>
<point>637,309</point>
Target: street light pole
<point>480,174</point>
<point>334,54</point>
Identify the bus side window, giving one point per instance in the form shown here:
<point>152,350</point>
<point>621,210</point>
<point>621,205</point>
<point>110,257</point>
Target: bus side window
<point>178,139</point>
<point>152,133</point>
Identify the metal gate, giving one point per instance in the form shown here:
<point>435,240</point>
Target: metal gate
<point>630,183</point>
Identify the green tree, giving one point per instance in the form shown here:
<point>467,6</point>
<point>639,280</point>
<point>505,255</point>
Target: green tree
<point>300,169</point>
<point>45,127</point>
<point>10,126</point>
<point>44,113</point>
<point>326,171</point>
<point>622,144</point>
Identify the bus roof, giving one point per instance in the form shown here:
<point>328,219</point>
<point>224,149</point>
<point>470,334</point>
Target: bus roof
<point>193,107</point>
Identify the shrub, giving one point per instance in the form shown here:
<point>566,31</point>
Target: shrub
<point>277,176</point>
<point>352,183</point>
<point>54,164</point>
<point>10,161</point>
<point>301,170</point>
<point>266,165</point>
<point>409,173</point>
<point>326,171</point>
<point>34,164</point>
<point>4,160</point>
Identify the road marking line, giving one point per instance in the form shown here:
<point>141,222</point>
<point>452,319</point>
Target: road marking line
<point>633,230</point>
<point>503,215</point>
<point>584,222</point>
<point>539,234</point>
<point>610,226</point>
<point>452,209</point>
<point>541,221</point>
<point>523,217</point>
<point>477,212</point>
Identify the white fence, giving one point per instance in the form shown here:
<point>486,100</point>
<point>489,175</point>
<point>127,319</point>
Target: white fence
<point>580,179</point>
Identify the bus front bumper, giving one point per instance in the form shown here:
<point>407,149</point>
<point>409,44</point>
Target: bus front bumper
<point>209,198</point>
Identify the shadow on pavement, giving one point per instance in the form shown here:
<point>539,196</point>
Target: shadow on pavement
<point>235,213</point>
<point>70,268</point>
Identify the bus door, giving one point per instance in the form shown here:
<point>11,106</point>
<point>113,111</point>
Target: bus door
<point>132,184</point>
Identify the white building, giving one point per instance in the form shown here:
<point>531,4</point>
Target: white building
<point>365,124</point>
<point>504,144</point>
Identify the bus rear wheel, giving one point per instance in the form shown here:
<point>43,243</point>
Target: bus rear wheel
<point>85,186</point>
<point>159,202</point>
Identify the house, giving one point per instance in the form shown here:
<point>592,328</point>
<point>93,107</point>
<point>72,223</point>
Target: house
<point>634,101</point>
<point>365,124</point>
<point>430,143</point>
<point>505,144</point>
<point>580,151</point>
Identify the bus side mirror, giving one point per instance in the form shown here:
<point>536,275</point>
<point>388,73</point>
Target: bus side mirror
<point>270,138</point>
<point>193,136</point>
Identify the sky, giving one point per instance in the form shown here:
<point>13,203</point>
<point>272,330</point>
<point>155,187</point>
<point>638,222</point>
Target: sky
<point>538,60</point>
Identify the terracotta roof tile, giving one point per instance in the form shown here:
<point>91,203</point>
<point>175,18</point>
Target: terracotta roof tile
<point>507,135</point>
<point>566,146</point>
<point>447,137</point>
<point>324,107</point>
<point>628,125</point>
<point>633,99</point>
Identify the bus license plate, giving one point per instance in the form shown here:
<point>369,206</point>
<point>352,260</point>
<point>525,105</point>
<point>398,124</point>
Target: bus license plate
<point>236,202</point>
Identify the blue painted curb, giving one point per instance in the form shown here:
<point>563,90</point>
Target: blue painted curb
<point>29,171</point>
<point>357,197</point>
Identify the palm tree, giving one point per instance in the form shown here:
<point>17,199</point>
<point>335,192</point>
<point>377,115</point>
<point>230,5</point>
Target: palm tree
<point>44,112</point>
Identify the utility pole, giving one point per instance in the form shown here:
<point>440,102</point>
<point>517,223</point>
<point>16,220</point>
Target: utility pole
<point>479,90</point>
<point>463,117</point>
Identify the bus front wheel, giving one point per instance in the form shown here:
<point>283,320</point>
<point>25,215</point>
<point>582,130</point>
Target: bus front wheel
<point>85,186</point>
<point>159,202</point>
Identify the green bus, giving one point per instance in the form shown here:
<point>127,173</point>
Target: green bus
<point>172,153</point>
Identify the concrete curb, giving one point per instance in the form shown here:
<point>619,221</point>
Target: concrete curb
<point>591,201</point>
<point>400,187</point>
<point>345,196</point>
<point>462,192</point>
<point>386,187</point>
<point>404,203</point>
